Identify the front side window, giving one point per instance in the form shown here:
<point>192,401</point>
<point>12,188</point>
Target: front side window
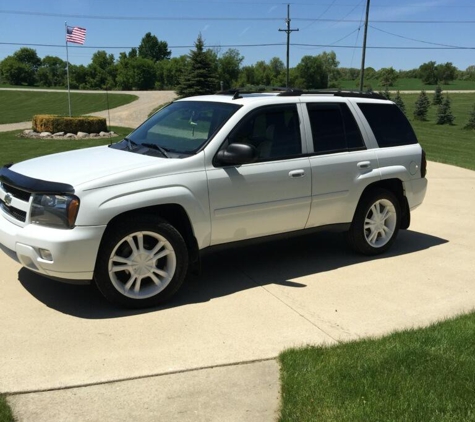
<point>389,124</point>
<point>180,129</point>
<point>274,131</point>
<point>334,128</point>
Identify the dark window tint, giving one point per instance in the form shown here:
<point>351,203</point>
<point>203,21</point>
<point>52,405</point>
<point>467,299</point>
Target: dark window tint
<point>333,128</point>
<point>274,131</point>
<point>389,124</point>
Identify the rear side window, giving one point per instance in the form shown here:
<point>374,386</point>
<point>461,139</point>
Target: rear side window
<point>334,128</point>
<point>389,124</point>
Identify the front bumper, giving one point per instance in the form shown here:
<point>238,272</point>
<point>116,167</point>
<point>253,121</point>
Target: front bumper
<point>73,252</point>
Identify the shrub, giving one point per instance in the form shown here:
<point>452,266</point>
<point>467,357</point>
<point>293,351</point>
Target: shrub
<point>53,124</point>
<point>437,99</point>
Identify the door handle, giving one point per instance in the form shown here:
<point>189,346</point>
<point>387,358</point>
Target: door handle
<point>364,164</point>
<point>297,173</point>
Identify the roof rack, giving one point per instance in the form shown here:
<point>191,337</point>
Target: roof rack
<point>295,92</point>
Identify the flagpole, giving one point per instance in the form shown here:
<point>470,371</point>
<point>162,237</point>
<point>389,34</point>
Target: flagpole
<point>67,67</point>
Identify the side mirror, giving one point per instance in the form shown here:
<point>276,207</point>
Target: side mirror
<point>235,154</point>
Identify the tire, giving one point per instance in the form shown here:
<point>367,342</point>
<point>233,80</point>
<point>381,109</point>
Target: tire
<point>376,222</point>
<point>142,262</point>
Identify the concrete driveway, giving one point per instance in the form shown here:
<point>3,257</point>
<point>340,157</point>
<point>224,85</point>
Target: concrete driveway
<point>209,355</point>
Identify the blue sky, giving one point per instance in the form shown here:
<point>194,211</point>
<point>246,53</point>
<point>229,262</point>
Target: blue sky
<point>123,23</point>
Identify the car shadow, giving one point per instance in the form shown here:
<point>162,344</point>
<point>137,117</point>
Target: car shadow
<point>227,271</point>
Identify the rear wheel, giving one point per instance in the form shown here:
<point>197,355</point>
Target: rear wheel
<point>142,262</point>
<point>376,222</point>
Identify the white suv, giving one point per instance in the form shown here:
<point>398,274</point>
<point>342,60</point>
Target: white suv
<point>203,171</point>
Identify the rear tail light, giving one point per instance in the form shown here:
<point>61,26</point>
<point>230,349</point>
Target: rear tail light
<point>423,164</point>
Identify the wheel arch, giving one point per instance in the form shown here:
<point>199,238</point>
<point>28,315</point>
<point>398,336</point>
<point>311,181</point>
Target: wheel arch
<point>174,214</point>
<point>396,187</point>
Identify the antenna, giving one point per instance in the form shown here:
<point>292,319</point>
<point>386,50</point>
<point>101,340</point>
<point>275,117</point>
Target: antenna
<point>287,31</point>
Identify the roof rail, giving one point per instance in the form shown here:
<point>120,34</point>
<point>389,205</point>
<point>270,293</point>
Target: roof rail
<point>295,92</point>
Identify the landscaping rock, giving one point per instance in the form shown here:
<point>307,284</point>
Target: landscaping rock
<point>29,132</point>
<point>45,134</point>
<point>58,134</point>
<point>70,136</point>
<point>93,135</point>
<point>81,135</point>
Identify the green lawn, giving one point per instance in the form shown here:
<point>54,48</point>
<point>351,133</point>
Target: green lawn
<point>20,106</point>
<point>446,144</point>
<point>412,376</point>
<point>409,84</point>
<point>5,411</point>
<point>14,149</point>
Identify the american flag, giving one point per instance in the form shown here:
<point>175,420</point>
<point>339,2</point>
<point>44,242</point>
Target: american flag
<point>75,34</point>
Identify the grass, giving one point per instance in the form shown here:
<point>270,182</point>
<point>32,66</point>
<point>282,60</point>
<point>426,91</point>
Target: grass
<point>444,143</point>
<point>15,149</point>
<point>409,84</point>
<point>6,414</point>
<point>20,106</point>
<point>416,375</point>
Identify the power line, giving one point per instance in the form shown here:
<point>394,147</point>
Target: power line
<point>375,47</point>
<point>222,18</point>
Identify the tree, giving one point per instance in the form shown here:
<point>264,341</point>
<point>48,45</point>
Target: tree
<point>102,70</point>
<point>311,72</point>
<point>387,76</point>
<point>444,113</point>
<point>151,48</point>
<point>52,72</point>
<point>399,102</point>
<point>428,73</point>
<point>201,75</point>
<point>277,71</point>
<point>446,72</point>
<point>330,64</point>
<point>437,99</point>
<point>229,65</point>
<point>471,120</point>
<point>422,107</point>
<point>21,67</point>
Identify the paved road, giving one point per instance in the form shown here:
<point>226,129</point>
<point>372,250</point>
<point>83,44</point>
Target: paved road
<point>76,358</point>
<point>129,115</point>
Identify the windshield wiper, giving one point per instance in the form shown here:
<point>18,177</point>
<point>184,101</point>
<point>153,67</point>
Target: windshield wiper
<point>130,143</point>
<point>158,148</point>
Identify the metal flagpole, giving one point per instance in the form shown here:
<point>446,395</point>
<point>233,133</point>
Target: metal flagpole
<point>67,67</point>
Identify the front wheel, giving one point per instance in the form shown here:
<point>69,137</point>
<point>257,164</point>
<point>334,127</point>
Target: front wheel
<point>142,262</point>
<point>376,222</point>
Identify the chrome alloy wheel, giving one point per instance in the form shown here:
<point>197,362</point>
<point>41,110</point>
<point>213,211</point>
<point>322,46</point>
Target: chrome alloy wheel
<point>380,223</point>
<point>142,265</point>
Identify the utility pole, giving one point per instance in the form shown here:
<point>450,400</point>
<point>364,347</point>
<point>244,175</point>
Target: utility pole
<point>288,31</point>
<point>364,46</point>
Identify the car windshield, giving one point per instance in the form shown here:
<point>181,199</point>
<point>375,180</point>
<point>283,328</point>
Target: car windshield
<point>183,127</point>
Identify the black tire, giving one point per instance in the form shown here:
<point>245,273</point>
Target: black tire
<point>154,258</point>
<point>374,230</point>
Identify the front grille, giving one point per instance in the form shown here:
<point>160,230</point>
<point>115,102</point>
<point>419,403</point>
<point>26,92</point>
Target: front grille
<point>13,212</point>
<point>17,193</point>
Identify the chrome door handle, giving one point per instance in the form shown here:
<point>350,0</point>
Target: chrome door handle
<point>364,164</point>
<point>297,173</point>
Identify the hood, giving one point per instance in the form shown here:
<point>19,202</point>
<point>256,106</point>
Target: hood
<point>84,165</point>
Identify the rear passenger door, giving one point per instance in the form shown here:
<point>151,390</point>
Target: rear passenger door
<point>341,164</point>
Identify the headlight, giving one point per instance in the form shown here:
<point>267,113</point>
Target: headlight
<point>58,211</point>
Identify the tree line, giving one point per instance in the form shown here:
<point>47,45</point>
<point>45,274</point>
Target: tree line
<point>150,66</point>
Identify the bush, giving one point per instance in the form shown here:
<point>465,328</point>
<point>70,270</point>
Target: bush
<point>53,124</point>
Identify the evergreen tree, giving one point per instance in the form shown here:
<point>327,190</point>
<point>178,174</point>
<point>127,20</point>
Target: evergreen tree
<point>471,120</point>
<point>201,75</point>
<point>399,102</point>
<point>444,113</point>
<point>422,106</point>
<point>437,100</point>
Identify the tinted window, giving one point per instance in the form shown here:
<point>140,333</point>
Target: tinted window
<point>274,131</point>
<point>334,128</point>
<point>389,124</point>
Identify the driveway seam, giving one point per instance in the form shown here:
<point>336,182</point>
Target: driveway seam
<point>138,377</point>
<point>286,304</point>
